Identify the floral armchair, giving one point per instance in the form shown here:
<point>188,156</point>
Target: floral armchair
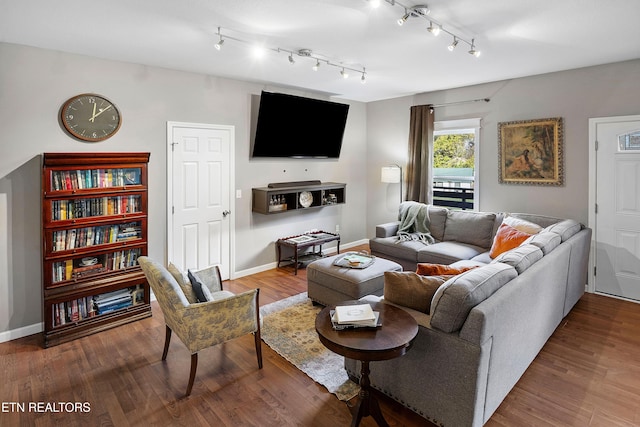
<point>202,324</point>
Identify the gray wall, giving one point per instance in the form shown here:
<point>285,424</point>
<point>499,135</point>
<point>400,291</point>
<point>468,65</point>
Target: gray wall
<point>34,83</point>
<point>575,95</point>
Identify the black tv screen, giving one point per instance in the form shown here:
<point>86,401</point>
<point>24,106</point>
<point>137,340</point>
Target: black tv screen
<point>294,126</point>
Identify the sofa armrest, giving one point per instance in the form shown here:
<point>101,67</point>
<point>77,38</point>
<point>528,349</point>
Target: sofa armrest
<point>388,229</point>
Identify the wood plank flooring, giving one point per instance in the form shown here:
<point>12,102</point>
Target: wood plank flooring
<point>587,374</point>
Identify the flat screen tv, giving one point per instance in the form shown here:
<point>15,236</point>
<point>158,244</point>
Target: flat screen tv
<point>294,126</point>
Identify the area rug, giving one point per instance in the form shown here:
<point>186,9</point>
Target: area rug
<point>289,329</point>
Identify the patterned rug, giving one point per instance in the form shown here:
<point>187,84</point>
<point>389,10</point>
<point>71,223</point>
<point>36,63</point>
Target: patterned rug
<point>289,329</point>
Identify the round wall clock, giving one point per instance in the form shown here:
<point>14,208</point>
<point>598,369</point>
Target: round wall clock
<point>90,117</point>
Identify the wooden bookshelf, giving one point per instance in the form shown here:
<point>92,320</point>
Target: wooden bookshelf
<point>94,228</point>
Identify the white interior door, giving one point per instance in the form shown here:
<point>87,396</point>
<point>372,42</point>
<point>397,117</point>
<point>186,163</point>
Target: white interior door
<point>200,184</point>
<point>617,228</point>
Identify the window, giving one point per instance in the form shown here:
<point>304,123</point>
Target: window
<point>455,162</point>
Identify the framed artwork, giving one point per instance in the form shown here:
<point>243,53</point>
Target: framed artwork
<point>530,152</point>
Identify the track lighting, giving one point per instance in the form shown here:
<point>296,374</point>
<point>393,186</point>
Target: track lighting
<point>435,27</point>
<point>453,44</point>
<point>260,51</point>
<point>433,30</point>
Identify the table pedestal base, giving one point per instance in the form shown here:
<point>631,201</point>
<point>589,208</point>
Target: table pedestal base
<point>367,403</point>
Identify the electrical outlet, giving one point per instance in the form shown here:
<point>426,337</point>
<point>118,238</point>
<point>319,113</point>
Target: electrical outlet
<point>337,228</point>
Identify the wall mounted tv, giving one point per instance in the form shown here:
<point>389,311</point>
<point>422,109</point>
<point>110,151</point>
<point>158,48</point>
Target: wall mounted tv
<point>294,126</point>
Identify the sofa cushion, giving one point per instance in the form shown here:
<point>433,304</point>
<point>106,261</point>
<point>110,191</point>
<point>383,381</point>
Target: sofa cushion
<point>447,252</point>
<point>474,228</point>
<point>392,247</point>
<point>410,289</point>
<point>430,269</point>
<point>482,258</point>
<point>545,240</point>
<point>454,300</point>
<point>522,224</point>
<point>521,258</point>
<point>183,281</point>
<point>565,229</point>
<point>437,218</point>
<point>506,239</point>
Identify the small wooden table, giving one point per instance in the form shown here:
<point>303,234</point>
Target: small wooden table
<point>392,339</point>
<point>304,241</point>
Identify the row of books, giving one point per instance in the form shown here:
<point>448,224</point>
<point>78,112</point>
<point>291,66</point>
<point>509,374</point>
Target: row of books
<point>93,178</point>
<point>70,269</point>
<point>87,307</point>
<point>73,311</point>
<point>89,236</point>
<point>102,206</point>
<point>112,301</point>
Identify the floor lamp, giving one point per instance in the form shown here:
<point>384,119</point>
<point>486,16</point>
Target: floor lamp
<point>392,175</point>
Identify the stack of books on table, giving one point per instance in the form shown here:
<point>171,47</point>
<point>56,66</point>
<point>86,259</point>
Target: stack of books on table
<point>113,301</point>
<point>354,316</point>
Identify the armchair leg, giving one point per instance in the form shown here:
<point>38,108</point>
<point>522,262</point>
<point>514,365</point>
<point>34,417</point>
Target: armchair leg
<point>167,340</point>
<point>256,337</point>
<point>192,375</point>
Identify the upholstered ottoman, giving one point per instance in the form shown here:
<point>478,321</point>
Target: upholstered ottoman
<point>329,284</point>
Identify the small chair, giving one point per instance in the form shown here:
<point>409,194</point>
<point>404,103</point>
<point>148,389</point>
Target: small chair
<point>202,325</point>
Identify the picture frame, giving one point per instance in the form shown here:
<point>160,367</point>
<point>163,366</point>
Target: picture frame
<point>530,152</point>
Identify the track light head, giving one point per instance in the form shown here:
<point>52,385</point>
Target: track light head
<point>316,65</point>
<point>404,18</point>
<point>344,74</point>
<point>453,44</point>
<point>419,11</point>
<point>434,30</point>
<point>218,45</point>
<point>363,79</point>
<point>375,3</point>
<point>473,51</point>
<point>291,60</point>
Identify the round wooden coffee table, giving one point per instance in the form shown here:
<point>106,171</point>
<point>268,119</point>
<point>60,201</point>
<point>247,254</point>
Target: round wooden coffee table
<point>392,339</point>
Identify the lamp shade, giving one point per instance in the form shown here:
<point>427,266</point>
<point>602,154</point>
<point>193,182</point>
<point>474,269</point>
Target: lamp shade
<point>390,174</point>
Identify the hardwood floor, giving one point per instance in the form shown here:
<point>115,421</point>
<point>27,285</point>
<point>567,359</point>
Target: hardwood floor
<point>587,374</point>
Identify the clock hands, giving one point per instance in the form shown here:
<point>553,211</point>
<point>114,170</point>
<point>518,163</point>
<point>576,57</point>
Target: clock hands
<point>92,118</point>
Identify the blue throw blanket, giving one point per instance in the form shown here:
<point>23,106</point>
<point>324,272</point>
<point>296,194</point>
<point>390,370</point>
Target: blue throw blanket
<point>414,223</point>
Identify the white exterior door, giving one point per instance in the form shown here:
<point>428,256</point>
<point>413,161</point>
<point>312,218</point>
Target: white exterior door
<point>617,218</point>
<point>200,184</point>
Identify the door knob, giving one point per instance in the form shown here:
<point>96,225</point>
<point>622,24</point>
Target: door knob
<point>225,213</point>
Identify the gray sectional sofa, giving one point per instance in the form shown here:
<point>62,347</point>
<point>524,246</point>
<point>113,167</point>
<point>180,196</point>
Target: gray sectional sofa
<point>485,326</point>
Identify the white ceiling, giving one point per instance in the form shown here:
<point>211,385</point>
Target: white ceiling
<point>516,37</point>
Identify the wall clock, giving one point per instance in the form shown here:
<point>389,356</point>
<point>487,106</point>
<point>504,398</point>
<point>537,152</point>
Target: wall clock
<point>90,117</point>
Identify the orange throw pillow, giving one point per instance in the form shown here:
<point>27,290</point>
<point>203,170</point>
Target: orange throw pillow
<point>428,269</point>
<point>506,239</point>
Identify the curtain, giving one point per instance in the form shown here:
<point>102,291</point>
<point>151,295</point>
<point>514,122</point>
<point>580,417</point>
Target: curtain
<point>419,180</point>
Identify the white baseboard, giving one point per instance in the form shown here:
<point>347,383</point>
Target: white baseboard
<point>21,332</point>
